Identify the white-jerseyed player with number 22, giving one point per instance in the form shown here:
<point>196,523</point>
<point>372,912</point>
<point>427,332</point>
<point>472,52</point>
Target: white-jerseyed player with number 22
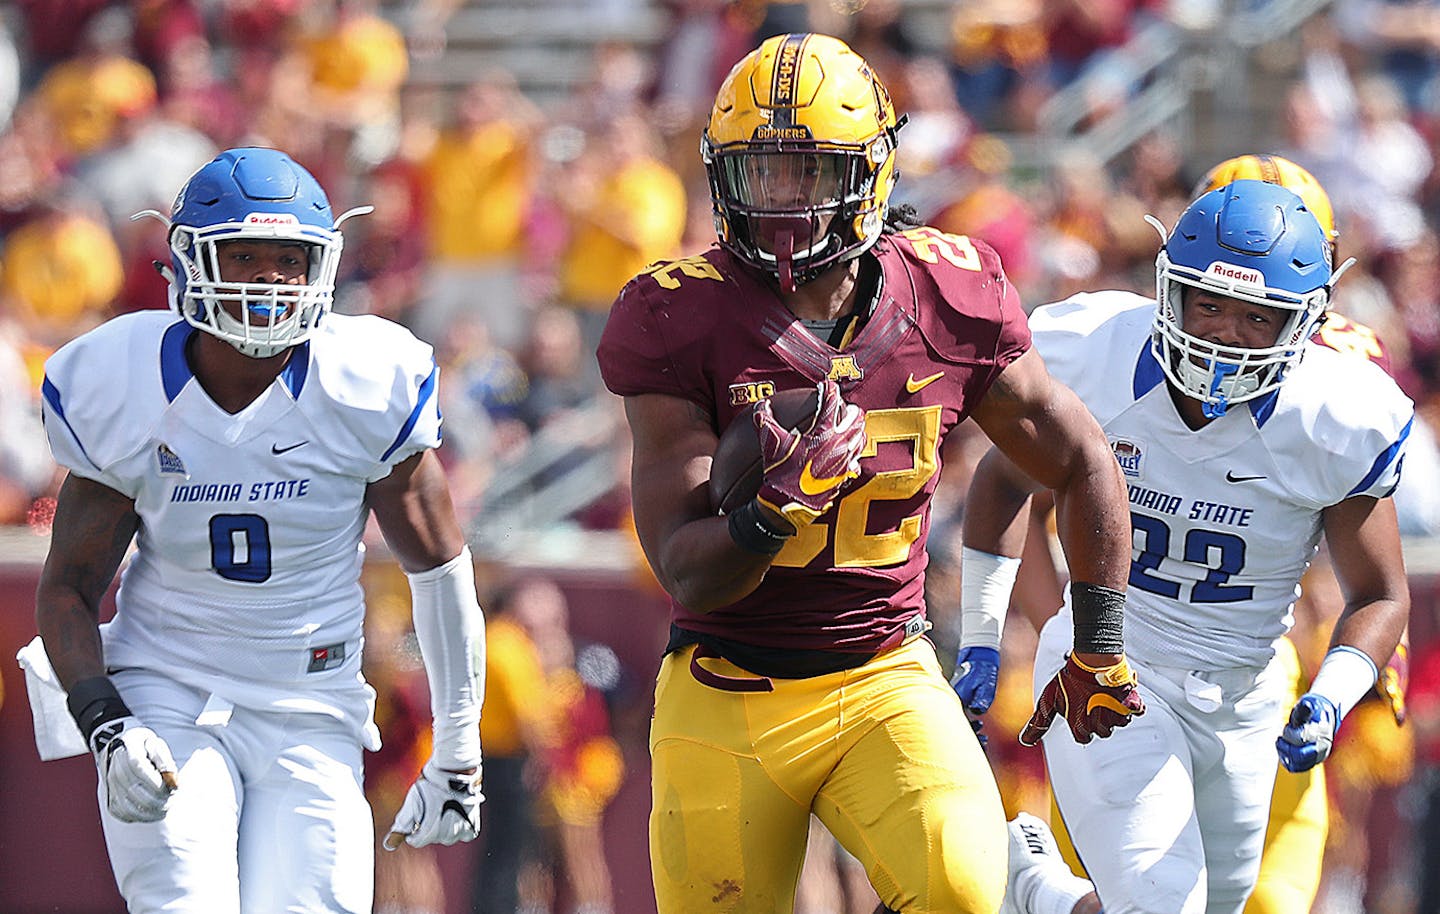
<point>244,443</point>
<point>1241,442</point>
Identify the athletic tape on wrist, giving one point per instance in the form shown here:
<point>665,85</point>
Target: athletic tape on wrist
<point>93,702</point>
<point>753,533</point>
<point>1345,676</point>
<point>1099,618</point>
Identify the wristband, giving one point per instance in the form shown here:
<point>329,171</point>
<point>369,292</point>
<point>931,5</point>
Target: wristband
<point>1345,675</point>
<point>93,702</point>
<point>753,533</point>
<point>986,582</point>
<point>1099,618</point>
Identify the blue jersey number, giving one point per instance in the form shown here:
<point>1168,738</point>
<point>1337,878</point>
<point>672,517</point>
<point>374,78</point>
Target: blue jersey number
<point>240,547</point>
<point>1201,546</point>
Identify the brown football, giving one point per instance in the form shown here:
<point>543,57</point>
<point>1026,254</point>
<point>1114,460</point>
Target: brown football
<point>735,470</point>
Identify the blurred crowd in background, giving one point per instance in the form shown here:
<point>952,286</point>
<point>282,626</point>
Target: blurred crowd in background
<point>503,227</point>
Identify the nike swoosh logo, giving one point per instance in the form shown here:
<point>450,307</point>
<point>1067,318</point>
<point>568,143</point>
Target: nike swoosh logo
<point>811,485</point>
<point>1108,702</point>
<point>914,386</point>
<point>1231,477</point>
<point>277,449</point>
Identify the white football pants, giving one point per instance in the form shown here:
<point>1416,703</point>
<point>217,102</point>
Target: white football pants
<point>270,815</point>
<point>1168,814</point>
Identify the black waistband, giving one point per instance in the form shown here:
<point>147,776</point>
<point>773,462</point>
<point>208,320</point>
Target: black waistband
<point>780,663</point>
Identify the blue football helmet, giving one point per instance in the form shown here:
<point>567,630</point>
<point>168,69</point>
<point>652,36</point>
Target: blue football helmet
<point>252,194</point>
<point>1252,241</point>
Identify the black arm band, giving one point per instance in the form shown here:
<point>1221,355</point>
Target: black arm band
<point>93,702</point>
<point>1099,618</point>
<point>752,532</point>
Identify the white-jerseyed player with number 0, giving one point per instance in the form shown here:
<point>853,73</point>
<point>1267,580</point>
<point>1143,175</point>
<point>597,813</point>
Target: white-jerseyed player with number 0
<point>243,443</point>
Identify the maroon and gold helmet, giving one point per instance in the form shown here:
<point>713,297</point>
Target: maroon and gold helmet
<point>800,151</point>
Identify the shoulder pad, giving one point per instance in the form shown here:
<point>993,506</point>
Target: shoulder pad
<point>664,321</point>
<point>1354,413</point>
<point>965,304</point>
<point>1092,342</point>
<point>103,392</point>
<point>380,382</point>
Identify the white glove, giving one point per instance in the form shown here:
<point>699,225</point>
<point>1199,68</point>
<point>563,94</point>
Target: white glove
<point>136,768</point>
<point>441,808</point>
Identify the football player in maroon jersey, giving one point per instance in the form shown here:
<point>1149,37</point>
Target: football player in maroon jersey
<point>796,678</point>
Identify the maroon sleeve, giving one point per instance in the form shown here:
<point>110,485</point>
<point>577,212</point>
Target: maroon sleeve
<point>665,331</point>
<point>1014,337</point>
<point>633,354</point>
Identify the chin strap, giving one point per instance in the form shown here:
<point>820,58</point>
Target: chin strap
<point>784,259</point>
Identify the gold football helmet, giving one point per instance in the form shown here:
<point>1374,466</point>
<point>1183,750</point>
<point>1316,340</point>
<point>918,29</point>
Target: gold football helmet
<point>1273,169</point>
<point>800,151</point>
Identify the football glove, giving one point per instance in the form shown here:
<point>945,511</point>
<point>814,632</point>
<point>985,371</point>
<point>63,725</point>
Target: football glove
<point>805,470</point>
<point>1310,733</point>
<point>1393,680</point>
<point>442,807</point>
<point>136,769</point>
<point>977,670</point>
<point>1093,701</point>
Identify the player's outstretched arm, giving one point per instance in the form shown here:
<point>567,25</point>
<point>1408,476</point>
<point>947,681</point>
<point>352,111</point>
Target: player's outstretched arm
<point>688,546</point>
<point>1047,432</point>
<point>417,517</point>
<point>1364,540</point>
<point>93,527</point>
<point>996,511</point>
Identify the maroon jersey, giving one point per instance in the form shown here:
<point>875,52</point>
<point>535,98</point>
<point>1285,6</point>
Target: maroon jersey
<point>945,323</point>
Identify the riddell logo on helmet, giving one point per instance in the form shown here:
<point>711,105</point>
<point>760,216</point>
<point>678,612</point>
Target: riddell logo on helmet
<point>769,132</point>
<point>1236,274</point>
<point>271,219</point>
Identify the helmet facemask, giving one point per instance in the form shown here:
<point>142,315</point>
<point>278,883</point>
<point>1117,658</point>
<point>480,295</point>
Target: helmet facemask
<point>1218,375</point>
<point>793,210</point>
<point>272,317</point>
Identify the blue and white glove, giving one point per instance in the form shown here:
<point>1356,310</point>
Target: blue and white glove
<point>977,670</point>
<point>442,807</point>
<point>136,769</point>
<point>1310,733</point>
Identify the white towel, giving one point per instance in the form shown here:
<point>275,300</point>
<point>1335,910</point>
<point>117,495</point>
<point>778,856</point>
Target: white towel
<point>56,735</point>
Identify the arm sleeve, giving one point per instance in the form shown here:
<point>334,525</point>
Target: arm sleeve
<point>451,629</point>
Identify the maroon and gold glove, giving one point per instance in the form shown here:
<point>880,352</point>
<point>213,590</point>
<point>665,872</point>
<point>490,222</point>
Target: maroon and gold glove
<point>1093,701</point>
<point>1394,679</point>
<point>804,470</point>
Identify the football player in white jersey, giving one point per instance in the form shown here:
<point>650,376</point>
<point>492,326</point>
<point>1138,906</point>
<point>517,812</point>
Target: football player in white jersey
<point>1242,441</point>
<point>242,443</point>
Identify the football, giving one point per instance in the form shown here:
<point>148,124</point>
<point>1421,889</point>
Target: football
<point>735,470</point>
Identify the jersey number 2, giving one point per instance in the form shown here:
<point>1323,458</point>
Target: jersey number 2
<point>240,547</point>
<point>855,545</point>
<point>1200,545</point>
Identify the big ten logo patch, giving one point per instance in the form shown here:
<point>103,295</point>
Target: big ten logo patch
<point>1129,455</point>
<point>751,392</point>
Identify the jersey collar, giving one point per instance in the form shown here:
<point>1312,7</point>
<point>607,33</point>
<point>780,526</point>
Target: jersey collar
<point>175,370</point>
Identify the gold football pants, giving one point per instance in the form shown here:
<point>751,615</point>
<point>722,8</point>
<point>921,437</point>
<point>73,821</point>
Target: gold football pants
<point>882,754</point>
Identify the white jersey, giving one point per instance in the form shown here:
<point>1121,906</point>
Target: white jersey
<point>1225,519</point>
<point>246,578</point>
